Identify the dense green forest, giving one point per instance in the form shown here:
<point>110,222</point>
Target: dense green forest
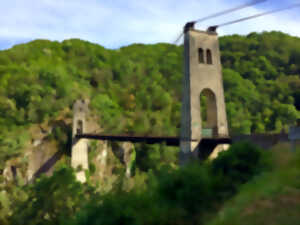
<point>137,90</point>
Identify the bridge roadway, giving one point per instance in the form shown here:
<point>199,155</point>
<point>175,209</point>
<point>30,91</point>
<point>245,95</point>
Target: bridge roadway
<point>169,140</point>
<point>265,141</point>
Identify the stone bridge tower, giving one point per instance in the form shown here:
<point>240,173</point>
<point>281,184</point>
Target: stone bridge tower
<point>202,76</point>
<point>79,159</point>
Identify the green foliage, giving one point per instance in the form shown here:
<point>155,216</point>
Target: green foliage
<point>190,188</point>
<point>137,89</point>
<point>174,196</point>
<point>192,194</point>
<point>154,157</point>
<point>238,165</point>
<point>259,74</point>
<point>11,144</point>
<point>270,198</point>
<point>109,110</point>
<point>51,199</point>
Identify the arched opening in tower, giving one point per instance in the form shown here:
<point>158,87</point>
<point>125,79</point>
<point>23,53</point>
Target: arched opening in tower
<point>79,127</point>
<point>208,110</point>
<point>208,57</point>
<point>200,55</point>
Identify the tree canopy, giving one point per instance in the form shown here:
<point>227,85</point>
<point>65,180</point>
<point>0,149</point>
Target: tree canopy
<point>137,88</point>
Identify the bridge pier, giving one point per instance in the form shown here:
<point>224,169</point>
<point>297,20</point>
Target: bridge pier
<point>294,135</point>
<point>202,80</point>
<point>79,157</point>
<point>125,152</point>
<point>219,148</point>
<point>129,152</point>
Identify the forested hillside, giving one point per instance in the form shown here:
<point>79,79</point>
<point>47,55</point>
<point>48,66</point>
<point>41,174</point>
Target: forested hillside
<point>261,79</point>
<point>137,89</point>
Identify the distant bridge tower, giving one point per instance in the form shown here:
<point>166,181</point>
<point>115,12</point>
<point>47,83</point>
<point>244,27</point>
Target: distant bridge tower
<point>202,76</point>
<point>79,159</point>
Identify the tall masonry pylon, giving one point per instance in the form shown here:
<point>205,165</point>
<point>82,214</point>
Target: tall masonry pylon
<point>202,76</point>
<point>79,158</point>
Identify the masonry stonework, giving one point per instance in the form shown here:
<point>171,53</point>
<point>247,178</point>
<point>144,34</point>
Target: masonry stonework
<point>202,75</point>
<point>79,159</point>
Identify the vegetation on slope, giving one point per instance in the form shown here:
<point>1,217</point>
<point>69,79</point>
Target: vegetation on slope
<point>169,196</point>
<point>271,198</point>
<point>261,73</point>
<point>229,190</point>
<point>137,89</point>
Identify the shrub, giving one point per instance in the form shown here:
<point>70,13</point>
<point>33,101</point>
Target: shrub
<point>237,166</point>
<point>190,187</point>
<point>51,199</point>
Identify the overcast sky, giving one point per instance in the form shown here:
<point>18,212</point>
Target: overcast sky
<point>116,23</point>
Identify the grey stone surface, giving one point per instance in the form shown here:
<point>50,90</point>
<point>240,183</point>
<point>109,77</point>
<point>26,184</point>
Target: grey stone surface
<point>37,142</point>
<point>201,76</point>
<point>102,159</point>
<point>294,133</point>
<point>128,148</point>
<point>79,159</point>
<point>294,136</point>
<point>8,173</point>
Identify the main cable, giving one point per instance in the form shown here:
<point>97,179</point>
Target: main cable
<point>258,15</point>
<point>192,23</point>
<point>230,10</point>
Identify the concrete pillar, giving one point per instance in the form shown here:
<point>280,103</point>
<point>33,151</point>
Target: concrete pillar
<point>294,135</point>
<point>102,159</point>
<point>202,75</point>
<point>218,149</point>
<point>129,157</point>
<point>9,173</point>
<point>79,158</point>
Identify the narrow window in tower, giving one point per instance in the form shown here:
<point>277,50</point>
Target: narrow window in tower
<point>208,57</point>
<point>79,127</point>
<point>200,55</point>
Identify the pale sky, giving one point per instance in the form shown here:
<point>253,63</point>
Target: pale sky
<point>116,23</point>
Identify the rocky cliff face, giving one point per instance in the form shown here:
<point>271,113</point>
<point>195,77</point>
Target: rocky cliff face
<point>50,146</point>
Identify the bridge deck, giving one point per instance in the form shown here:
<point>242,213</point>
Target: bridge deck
<point>265,141</point>
<point>171,141</point>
